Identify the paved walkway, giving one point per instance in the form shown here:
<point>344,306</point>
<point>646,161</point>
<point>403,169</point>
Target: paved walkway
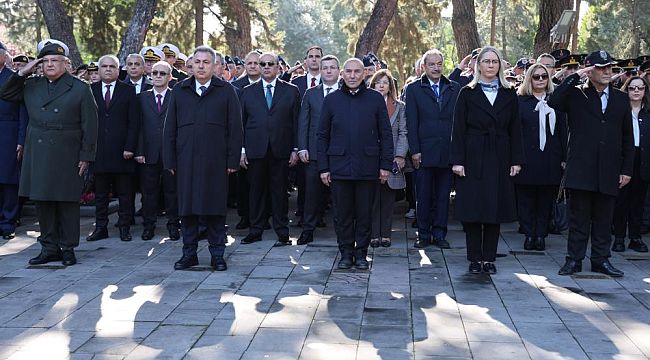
<point>125,301</point>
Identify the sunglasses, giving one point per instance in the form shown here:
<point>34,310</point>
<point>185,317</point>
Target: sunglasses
<point>265,64</point>
<point>540,77</point>
<point>636,88</point>
<point>133,63</point>
<point>161,73</point>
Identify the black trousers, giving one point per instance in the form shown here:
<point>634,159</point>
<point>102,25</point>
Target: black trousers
<point>122,185</point>
<point>300,180</point>
<point>482,241</point>
<point>216,226</point>
<point>628,211</point>
<point>59,225</point>
<point>353,214</point>
<point>153,178</point>
<point>590,213</point>
<point>315,195</point>
<point>268,175</point>
<point>243,188</point>
<point>410,189</point>
<point>382,212</point>
<point>8,207</point>
<point>432,187</point>
<point>534,206</point>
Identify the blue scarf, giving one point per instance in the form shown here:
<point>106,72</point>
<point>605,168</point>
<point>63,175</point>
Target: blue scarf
<point>492,86</point>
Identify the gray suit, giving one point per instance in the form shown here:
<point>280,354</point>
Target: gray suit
<point>308,124</point>
<point>382,206</point>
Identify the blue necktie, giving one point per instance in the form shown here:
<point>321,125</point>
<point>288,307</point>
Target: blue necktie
<point>203,89</point>
<point>434,87</point>
<point>269,96</point>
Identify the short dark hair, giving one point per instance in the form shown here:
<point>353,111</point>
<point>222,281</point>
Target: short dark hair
<point>330,57</point>
<point>314,48</point>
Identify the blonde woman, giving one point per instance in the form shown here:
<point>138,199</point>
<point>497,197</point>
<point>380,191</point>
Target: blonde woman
<point>382,209</point>
<point>486,152</point>
<point>545,146</point>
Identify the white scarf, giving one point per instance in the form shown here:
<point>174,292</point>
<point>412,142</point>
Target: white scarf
<point>543,109</point>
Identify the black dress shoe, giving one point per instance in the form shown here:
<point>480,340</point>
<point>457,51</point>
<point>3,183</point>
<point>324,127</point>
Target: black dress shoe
<point>605,267</point>
<point>174,233</point>
<point>98,234</point>
<point>540,244</point>
<point>442,243</point>
<point>374,243</point>
<point>305,238</point>
<point>489,268</point>
<point>361,263</point>
<point>529,243</point>
<point>186,262</point>
<point>475,267</point>
<point>251,238</point>
<point>637,245</point>
<point>570,267</point>
<point>68,258</point>
<point>125,233</point>
<point>243,224</point>
<point>147,234</point>
<point>345,263</point>
<point>282,241</point>
<point>44,258</point>
<point>385,242</point>
<point>218,263</point>
<point>421,243</point>
<point>8,236</point>
<point>320,223</point>
<point>619,245</point>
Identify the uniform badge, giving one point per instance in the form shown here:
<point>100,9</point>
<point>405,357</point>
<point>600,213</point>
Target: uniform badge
<point>603,55</point>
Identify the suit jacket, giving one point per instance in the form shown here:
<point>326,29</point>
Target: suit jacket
<point>147,84</point>
<point>151,126</point>
<point>62,131</point>
<point>301,83</point>
<point>400,143</point>
<point>429,122</point>
<point>13,127</point>
<point>241,82</point>
<point>487,141</point>
<point>309,121</point>
<point>644,143</point>
<point>118,128</point>
<point>601,146</point>
<point>354,138</point>
<point>276,128</point>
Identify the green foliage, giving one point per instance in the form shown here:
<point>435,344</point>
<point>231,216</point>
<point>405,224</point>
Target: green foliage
<point>26,25</point>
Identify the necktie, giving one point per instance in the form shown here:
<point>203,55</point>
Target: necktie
<point>544,110</point>
<point>434,87</point>
<point>159,102</point>
<point>203,89</point>
<point>603,103</point>
<point>313,82</point>
<point>107,96</point>
<point>328,91</point>
<point>269,96</point>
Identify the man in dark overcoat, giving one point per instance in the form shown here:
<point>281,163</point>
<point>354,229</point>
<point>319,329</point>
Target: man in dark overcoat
<point>118,113</point>
<point>599,161</point>
<point>61,139</point>
<point>202,141</point>
<point>355,153</point>
<point>430,104</point>
<point>13,125</point>
<point>270,110</point>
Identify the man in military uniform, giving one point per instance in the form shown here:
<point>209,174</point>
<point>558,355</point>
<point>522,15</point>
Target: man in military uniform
<point>151,55</point>
<point>61,138</point>
<point>93,72</point>
<point>19,62</point>
<point>171,53</point>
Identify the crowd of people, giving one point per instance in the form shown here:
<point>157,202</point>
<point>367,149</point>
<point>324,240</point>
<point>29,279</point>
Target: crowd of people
<point>198,134</point>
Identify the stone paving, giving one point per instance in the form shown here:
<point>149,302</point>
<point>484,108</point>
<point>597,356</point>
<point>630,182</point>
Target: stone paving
<point>125,301</point>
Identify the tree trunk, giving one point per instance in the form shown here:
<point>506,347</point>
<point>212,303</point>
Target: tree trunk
<point>635,43</point>
<point>463,21</point>
<point>239,37</point>
<point>198,22</point>
<point>136,32</point>
<point>493,24</point>
<point>574,29</point>
<point>504,42</point>
<point>375,29</point>
<point>59,25</point>
<point>549,14</point>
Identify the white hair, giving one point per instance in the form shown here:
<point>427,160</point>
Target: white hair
<point>112,57</point>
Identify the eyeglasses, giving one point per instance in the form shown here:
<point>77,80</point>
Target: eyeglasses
<point>267,63</point>
<point>540,77</point>
<point>161,73</point>
<point>383,82</point>
<point>133,64</point>
<point>490,61</point>
<point>636,88</point>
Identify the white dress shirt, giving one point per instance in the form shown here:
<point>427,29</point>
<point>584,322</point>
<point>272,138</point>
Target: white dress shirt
<point>138,85</point>
<point>604,96</point>
<point>636,130</point>
<point>197,86</point>
<point>163,93</point>
<point>264,84</point>
<point>309,77</point>
<point>333,88</point>
<point>104,89</point>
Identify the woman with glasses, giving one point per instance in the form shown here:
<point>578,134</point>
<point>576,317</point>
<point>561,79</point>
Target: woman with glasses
<point>545,144</point>
<point>628,212</point>
<point>382,208</point>
<point>486,152</point>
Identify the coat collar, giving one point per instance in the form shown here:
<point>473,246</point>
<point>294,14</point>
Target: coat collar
<point>445,86</point>
<point>64,83</point>
<point>482,101</point>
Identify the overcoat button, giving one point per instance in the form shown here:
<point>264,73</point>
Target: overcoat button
<point>56,110</point>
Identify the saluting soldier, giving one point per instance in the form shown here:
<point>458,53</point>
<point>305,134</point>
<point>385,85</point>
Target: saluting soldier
<point>61,139</point>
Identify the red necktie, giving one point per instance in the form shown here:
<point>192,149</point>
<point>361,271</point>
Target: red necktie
<point>313,82</point>
<point>107,96</point>
<point>159,102</point>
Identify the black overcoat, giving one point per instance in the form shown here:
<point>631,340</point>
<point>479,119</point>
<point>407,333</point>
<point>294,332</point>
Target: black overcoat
<point>202,138</point>
<point>601,146</point>
<point>487,141</point>
<point>542,167</point>
<point>644,143</point>
<point>13,127</point>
